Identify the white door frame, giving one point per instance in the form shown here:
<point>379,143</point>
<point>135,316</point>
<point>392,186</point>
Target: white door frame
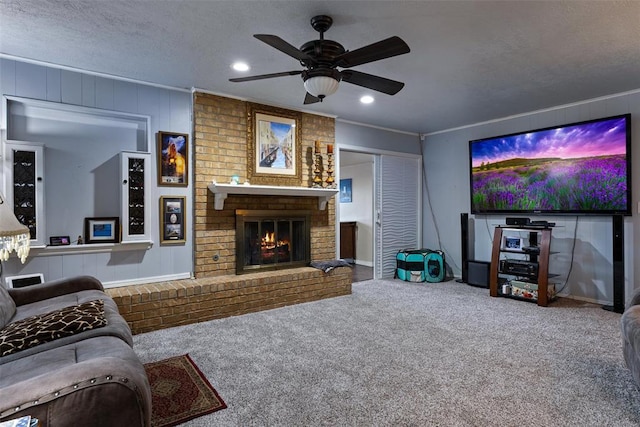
<point>376,159</point>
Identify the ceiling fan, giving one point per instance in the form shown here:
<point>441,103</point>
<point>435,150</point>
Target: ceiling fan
<point>322,58</point>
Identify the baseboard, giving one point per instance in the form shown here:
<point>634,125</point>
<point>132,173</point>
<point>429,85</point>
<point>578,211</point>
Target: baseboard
<point>142,281</point>
<point>584,299</point>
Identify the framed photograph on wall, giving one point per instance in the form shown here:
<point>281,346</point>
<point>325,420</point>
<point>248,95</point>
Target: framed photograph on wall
<point>274,155</point>
<point>345,190</point>
<point>173,159</point>
<point>172,220</point>
<point>102,230</point>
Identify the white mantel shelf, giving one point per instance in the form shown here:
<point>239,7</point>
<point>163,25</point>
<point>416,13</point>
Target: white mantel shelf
<point>221,191</point>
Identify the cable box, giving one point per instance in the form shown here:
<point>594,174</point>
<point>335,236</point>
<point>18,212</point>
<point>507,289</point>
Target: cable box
<point>514,220</point>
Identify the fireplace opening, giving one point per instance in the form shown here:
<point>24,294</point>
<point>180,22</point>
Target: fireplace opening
<point>272,239</point>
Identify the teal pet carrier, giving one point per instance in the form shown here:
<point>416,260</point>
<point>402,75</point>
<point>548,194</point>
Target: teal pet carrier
<point>434,266</point>
<point>420,265</point>
<point>410,265</point>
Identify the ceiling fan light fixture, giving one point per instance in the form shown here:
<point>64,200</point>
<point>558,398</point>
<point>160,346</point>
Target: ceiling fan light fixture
<point>321,86</point>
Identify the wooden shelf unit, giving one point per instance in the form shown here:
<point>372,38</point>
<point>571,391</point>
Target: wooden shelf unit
<point>538,236</point>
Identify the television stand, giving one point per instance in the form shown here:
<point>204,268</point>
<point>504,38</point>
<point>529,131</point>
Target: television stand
<point>532,271</point>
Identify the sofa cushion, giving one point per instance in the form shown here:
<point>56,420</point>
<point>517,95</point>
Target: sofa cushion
<point>43,328</point>
<point>116,325</point>
<point>7,307</point>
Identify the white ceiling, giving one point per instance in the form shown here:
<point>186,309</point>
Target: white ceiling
<point>470,61</point>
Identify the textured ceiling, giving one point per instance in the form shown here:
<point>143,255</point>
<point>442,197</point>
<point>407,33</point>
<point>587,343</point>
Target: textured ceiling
<point>470,61</point>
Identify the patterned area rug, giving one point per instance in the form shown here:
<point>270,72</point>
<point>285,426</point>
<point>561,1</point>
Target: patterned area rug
<point>179,392</point>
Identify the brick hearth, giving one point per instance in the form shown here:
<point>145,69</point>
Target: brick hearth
<point>162,305</point>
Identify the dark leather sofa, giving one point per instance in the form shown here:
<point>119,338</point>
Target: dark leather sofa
<point>88,377</point>
<point>630,323</point>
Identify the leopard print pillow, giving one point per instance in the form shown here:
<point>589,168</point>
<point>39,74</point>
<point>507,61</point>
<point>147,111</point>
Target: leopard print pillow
<point>42,328</point>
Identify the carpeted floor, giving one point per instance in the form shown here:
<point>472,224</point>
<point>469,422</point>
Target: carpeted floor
<point>405,354</point>
<point>179,391</point>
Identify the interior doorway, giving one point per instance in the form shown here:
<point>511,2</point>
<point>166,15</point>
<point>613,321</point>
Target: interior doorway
<point>356,212</point>
<point>382,193</point>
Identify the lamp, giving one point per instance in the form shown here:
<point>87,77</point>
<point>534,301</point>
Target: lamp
<point>321,82</point>
<point>321,86</point>
<point>14,236</point>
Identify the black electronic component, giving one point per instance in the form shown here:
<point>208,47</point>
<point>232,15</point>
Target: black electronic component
<point>519,268</point>
<point>618,265</point>
<point>464,245</point>
<point>514,220</point>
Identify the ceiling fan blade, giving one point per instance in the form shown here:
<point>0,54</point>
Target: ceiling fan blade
<point>387,48</point>
<point>310,99</point>
<point>283,46</point>
<point>266,76</point>
<point>390,87</point>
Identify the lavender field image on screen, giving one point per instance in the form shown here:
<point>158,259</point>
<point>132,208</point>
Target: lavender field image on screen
<point>576,168</point>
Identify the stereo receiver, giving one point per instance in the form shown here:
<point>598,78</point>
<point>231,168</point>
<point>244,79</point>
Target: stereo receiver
<point>519,268</point>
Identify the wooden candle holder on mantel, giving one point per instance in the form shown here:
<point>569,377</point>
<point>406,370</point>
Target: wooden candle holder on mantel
<point>317,163</point>
<point>330,180</point>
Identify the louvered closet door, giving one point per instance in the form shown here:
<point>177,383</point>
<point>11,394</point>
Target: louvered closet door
<point>398,204</point>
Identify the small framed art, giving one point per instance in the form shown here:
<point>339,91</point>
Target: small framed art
<point>102,230</point>
<point>345,190</point>
<point>172,220</point>
<point>173,159</point>
<point>59,241</point>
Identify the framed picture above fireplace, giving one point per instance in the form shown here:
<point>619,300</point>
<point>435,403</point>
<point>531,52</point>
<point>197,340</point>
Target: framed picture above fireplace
<point>274,154</point>
<point>172,220</point>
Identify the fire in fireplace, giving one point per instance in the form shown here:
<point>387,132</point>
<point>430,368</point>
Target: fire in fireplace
<point>272,239</point>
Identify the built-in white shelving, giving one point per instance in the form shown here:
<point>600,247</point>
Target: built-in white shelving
<point>92,248</point>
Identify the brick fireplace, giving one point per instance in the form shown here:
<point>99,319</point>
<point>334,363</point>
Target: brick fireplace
<point>220,151</point>
<point>220,138</point>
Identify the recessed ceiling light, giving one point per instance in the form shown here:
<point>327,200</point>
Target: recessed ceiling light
<point>367,99</point>
<point>240,66</point>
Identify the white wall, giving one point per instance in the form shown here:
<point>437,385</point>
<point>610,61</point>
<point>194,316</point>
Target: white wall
<point>168,110</point>
<point>446,162</point>
<point>361,208</point>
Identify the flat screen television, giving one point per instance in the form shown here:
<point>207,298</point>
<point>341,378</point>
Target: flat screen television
<point>580,168</point>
